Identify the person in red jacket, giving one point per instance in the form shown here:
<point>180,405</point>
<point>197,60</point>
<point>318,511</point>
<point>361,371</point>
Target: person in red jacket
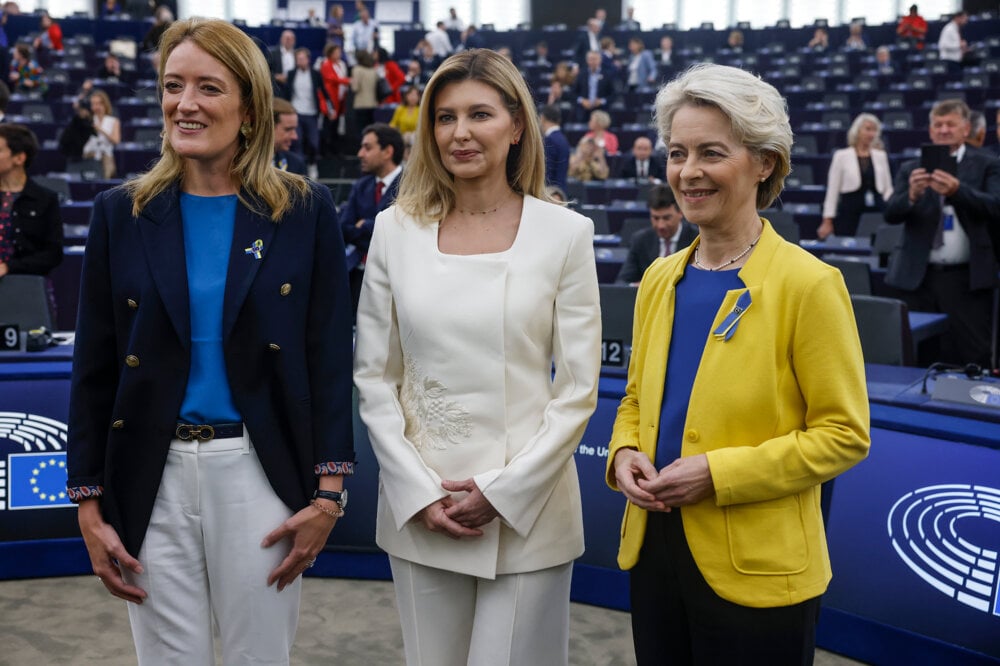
<point>51,34</point>
<point>912,28</point>
<point>333,72</point>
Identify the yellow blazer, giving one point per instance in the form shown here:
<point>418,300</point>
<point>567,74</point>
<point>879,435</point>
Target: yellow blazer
<point>779,408</point>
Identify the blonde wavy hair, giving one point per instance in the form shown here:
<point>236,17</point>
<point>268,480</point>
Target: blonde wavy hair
<point>756,110</point>
<point>271,191</point>
<point>427,189</point>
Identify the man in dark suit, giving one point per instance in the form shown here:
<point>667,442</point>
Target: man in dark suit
<point>593,89</point>
<point>642,165</point>
<point>947,261</point>
<point>281,59</point>
<point>381,154</point>
<point>556,145</point>
<point>588,40</point>
<point>286,125</point>
<point>305,90</point>
<point>668,233</point>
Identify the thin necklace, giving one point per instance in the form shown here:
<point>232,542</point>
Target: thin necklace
<point>731,261</point>
<point>484,212</point>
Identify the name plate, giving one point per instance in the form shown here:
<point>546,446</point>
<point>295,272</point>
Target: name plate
<point>10,338</point>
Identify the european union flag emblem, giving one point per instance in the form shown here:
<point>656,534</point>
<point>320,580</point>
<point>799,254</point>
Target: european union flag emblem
<point>37,480</point>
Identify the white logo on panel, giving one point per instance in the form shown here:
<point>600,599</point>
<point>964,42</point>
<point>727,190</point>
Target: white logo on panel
<point>35,476</point>
<point>925,527</point>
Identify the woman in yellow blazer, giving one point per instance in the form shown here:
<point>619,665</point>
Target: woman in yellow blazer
<point>745,392</point>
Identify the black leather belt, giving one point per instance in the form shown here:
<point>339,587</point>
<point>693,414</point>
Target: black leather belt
<point>204,432</point>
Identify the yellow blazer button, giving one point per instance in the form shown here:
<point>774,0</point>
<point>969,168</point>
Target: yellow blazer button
<point>132,304</point>
<point>274,347</point>
<point>118,424</point>
<point>132,361</point>
<point>692,435</point>
<point>286,289</point>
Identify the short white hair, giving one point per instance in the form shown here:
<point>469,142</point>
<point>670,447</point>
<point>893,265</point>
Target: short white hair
<point>756,111</point>
<point>855,129</point>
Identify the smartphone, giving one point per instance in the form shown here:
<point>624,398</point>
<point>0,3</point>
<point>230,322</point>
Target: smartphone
<point>933,156</point>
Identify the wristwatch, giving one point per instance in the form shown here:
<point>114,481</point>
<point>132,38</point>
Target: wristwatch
<point>339,497</point>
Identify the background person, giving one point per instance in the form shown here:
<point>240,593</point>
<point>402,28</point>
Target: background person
<point>598,130</point>
<point>380,156</point>
<point>947,262</point>
<point>858,181</point>
<point>588,161</point>
<point>26,75</point>
<point>31,230</point>
<point>107,134</point>
<point>202,420</point>
<point>641,164</point>
<point>479,503</point>
<point>667,234</point>
<point>286,133</point>
<point>912,28</point>
<point>722,470</point>
<point>556,146</point>
<point>364,84</point>
<point>405,116</point>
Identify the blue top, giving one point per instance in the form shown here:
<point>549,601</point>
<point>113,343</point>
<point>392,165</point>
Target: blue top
<point>208,235</point>
<point>697,301</point>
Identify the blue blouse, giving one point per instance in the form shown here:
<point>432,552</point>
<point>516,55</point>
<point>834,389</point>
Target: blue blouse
<point>208,234</point>
<point>699,295</point>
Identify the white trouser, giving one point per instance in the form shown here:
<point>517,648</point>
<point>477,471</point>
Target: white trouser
<point>452,619</point>
<point>202,561</point>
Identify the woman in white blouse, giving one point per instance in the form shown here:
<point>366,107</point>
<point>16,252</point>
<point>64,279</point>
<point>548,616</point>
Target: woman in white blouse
<point>859,180</point>
<point>476,287</point>
<point>107,133</point>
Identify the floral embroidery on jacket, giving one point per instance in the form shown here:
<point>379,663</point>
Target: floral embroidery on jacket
<point>432,421</point>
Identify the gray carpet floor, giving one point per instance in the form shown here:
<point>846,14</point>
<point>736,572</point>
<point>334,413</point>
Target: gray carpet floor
<point>343,623</point>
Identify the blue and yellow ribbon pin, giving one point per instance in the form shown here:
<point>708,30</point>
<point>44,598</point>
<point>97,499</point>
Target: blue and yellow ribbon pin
<point>728,326</point>
<point>256,249</point>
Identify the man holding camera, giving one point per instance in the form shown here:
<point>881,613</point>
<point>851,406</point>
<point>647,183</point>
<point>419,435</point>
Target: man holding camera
<point>949,204</point>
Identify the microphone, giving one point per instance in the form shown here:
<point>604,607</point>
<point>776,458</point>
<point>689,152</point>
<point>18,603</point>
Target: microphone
<point>971,370</point>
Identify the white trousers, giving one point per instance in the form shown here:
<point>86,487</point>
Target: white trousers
<point>452,619</point>
<point>203,562</point>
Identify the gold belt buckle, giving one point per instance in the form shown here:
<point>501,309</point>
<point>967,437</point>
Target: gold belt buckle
<point>187,432</point>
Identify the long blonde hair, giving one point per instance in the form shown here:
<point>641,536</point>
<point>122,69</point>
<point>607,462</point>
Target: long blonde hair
<point>427,189</point>
<point>271,191</point>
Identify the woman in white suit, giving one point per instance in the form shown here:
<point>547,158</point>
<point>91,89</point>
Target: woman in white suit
<point>859,180</point>
<point>475,286</point>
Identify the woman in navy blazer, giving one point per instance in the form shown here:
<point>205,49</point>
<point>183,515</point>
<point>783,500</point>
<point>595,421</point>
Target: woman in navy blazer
<point>210,414</point>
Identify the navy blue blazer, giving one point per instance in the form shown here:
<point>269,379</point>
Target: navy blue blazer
<point>581,88</point>
<point>361,206</point>
<point>287,344</point>
<point>557,152</point>
<point>977,205</point>
<point>293,163</point>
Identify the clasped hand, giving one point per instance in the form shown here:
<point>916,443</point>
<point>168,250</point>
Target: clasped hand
<point>683,482</point>
<point>458,518</point>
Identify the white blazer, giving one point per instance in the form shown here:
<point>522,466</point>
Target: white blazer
<point>454,367</point>
<point>845,176</point>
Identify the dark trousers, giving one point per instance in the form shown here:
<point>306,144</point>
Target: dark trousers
<point>308,142</point>
<point>946,289</point>
<point>677,619</point>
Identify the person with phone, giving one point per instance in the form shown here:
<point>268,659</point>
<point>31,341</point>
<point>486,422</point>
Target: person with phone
<point>947,200</point>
